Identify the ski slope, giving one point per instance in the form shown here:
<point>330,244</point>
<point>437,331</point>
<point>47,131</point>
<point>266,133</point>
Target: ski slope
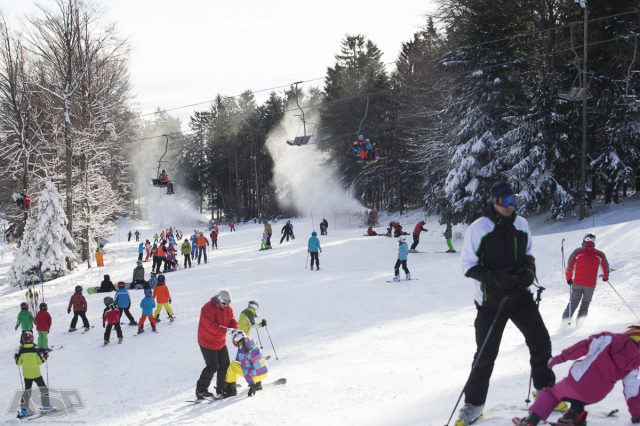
<point>354,348</point>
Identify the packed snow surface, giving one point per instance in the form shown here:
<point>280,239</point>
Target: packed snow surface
<point>354,348</point>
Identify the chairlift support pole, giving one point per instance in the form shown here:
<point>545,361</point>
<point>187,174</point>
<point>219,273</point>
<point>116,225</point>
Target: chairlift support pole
<point>165,151</point>
<point>583,158</point>
<point>366,112</point>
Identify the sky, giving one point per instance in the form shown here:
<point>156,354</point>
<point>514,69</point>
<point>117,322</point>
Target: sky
<point>186,52</point>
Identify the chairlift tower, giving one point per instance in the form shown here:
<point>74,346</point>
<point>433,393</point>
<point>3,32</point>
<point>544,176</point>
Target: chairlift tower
<point>583,157</point>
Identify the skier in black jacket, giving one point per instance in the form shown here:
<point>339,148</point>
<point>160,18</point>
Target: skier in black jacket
<point>497,255</point>
<point>287,231</point>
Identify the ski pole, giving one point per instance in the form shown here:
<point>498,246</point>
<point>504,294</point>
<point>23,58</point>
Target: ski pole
<point>538,298</point>
<point>475,363</point>
<point>259,340</point>
<point>269,335</point>
<point>570,285</point>
<point>623,301</point>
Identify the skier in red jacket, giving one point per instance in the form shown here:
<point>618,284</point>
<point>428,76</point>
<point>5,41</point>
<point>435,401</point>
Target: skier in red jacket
<point>216,317</point>
<point>416,235</point>
<point>582,274</point>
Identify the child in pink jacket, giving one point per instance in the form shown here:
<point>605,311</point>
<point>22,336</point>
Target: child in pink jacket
<point>605,359</point>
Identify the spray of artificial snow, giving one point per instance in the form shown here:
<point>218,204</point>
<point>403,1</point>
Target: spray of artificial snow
<point>304,179</point>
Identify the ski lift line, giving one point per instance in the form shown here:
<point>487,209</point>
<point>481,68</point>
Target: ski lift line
<point>393,62</point>
<point>383,91</point>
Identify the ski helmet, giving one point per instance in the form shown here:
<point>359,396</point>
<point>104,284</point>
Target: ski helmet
<point>121,284</point>
<point>254,304</point>
<point>24,305</point>
<point>238,337</point>
<point>78,288</point>
<point>108,300</point>
<point>224,296</point>
<point>589,237</point>
<point>139,262</point>
<point>314,233</point>
<point>27,337</point>
<point>633,332</point>
<point>148,292</point>
<point>402,239</point>
<point>161,278</point>
<point>361,137</point>
<point>43,306</point>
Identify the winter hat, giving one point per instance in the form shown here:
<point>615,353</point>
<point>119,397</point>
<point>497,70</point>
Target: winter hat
<point>148,292</point>
<point>224,296</point>
<point>43,306</point>
<point>253,304</point>
<point>500,189</point>
<point>634,333</point>
<point>139,262</point>
<point>107,278</point>
<point>78,288</point>
<point>314,233</point>
<point>24,305</point>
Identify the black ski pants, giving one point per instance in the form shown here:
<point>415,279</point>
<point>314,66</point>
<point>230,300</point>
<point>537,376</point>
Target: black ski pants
<point>214,243</point>
<point>217,361</point>
<point>26,395</point>
<point>416,241</point>
<point>201,251</point>
<point>396,268</point>
<point>107,331</point>
<point>187,259</point>
<point>314,255</point>
<point>81,314</point>
<point>525,315</point>
<point>127,313</point>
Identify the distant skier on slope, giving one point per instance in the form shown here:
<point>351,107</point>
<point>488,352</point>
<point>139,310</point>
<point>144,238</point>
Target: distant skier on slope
<point>248,318</point>
<point>313,246</point>
<point>416,235</point>
<point>287,231</point>
<point>403,253</point>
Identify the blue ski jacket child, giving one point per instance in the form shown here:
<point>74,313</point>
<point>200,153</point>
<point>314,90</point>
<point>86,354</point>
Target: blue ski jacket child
<point>403,251</point>
<point>314,244</point>
<point>147,304</point>
<point>140,248</point>
<point>122,299</point>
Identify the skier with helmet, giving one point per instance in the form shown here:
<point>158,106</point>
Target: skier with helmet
<point>111,319</point>
<point>147,304</point>
<point>403,254</point>
<point>216,317</point>
<point>79,305</point>
<point>30,358</point>
<point>313,247</point>
<point>25,319</point>
<point>249,363</point>
<point>122,301</point>
<point>604,359</point>
<point>43,325</point>
<point>582,274</point>
<point>249,316</point>
<point>416,235</point>
<point>497,256</point>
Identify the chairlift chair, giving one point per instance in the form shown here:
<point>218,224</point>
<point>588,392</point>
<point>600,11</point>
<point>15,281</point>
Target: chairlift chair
<point>158,182</point>
<point>305,137</point>
<point>576,92</point>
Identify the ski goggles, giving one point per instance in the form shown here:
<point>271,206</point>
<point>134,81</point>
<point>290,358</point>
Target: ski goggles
<point>507,200</point>
<point>591,238</point>
<point>224,302</point>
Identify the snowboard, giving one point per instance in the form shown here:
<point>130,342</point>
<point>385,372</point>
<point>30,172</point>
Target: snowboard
<point>92,290</point>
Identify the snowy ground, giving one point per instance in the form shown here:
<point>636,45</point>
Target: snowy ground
<point>354,348</point>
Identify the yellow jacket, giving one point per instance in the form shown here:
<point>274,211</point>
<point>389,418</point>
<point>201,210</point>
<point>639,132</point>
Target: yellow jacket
<point>30,359</point>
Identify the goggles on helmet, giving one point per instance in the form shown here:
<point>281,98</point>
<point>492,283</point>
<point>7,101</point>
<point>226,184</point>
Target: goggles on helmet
<point>590,237</point>
<point>507,200</point>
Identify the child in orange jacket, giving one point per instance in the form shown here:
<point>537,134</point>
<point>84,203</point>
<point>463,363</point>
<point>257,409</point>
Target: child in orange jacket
<point>163,298</point>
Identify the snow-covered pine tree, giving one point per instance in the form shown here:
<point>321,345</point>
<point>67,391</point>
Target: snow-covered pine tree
<point>46,251</point>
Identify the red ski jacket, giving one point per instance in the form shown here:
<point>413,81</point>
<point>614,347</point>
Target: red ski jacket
<point>419,228</point>
<point>111,317</point>
<point>584,263</point>
<point>214,321</point>
<point>78,302</point>
<point>43,321</point>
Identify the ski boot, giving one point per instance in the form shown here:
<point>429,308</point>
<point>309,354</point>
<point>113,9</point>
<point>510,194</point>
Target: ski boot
<point>258,386</point>
<point>72,329</point>
<point>205,394</point>
<point>140,330</point>
<point>576,416</point>
<point>158,318</point>
<point>24,412</point>
<point>229,390</point>
<point>87,328</point>
<point>154,329</point>
<point>120,340</point>
<point>133,323</point>
<point>396,279</point>
<point>106,342</point>
<point>531,420</point>
<point>408,277</point>
<point>469,413</point>
<point>46,409</point>
<point>172,318</point>
<point>562,405</point>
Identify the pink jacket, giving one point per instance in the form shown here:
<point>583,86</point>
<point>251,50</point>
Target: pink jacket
<point>608,357</point>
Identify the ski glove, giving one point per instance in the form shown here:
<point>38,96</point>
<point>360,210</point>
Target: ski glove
<point>525,278</point>
<point>252,389</point>
<point>569,281</point>
<point>555,360</point>
<point>263,323</point>
<point>169,301</point>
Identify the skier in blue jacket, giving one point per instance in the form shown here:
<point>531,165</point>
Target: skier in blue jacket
<point>140,250</point>
<point>403,253</point>
<point>314,248</point>
<point>123,302</point>
<point>147,304</point>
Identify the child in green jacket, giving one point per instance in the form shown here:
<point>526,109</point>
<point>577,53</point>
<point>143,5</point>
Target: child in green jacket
<point>25,319</point>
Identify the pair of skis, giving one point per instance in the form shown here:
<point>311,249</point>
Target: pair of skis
<point>278,382</point>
